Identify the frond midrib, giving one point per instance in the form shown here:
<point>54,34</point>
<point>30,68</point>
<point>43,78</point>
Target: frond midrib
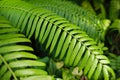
<point>51,23</point>
<point>27,11</point>
<point>5,62</point>
<point>99,31</point>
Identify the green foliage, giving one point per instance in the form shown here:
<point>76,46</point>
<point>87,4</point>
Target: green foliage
<point>16,60</point>
<point>114,9</point>
<point>115,64</point>
<point>114,38</point>
<point>76,44</point>
<point>75,14</point>
<point>115,61</point>
<point>87,6</point>
<point>99,8</point>
<point>42,77</point>
<point>61,39</point>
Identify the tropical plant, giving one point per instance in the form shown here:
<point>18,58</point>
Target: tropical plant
<point>16,60</point>
<point>76,15</point>
<point>75,42</point>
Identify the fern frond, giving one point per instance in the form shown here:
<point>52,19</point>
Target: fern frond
<point>56,35</point>
<point>87,21</point>
<point>16,60</point>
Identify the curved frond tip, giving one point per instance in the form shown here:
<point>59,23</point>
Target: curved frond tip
<point>60,38</point>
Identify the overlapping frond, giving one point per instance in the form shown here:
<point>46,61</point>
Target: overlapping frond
<point>16,60</point>
<point>75,14</point>
<point>61,39</point>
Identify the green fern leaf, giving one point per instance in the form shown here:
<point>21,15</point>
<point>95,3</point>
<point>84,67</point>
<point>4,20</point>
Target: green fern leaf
<point>75,14</point>
<point>58,29</point>
<point>16,61</point>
